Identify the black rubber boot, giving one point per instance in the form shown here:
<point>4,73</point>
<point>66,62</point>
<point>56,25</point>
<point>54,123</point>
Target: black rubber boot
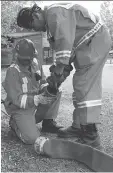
<point>50,126</point>
<point>69,132</point>
<point>90,135</point>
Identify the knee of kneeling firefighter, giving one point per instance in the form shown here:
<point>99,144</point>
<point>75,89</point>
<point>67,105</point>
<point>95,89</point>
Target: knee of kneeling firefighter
<point>29,138</point>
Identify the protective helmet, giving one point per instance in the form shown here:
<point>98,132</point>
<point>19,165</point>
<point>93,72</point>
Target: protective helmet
<point>25,47</point>
<point>25,18</point>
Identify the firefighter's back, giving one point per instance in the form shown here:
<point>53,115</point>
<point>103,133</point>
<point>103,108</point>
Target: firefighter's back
<point>82,19</point>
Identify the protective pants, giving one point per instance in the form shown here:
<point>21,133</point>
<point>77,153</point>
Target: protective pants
<point>23,122</point>
<point>87,80</point>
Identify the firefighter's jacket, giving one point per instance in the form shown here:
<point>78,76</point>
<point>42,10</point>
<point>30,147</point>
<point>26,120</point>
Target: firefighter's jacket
<point>21,86</point>
<point>66,24</point>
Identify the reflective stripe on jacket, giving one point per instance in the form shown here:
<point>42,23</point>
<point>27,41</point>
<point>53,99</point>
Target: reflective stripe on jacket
<point>20,86</point>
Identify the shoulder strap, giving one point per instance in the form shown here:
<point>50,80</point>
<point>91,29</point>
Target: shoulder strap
<point>87,36</point>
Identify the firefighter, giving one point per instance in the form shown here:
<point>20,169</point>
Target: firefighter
<point>79,37</point>
<point>22,85</point>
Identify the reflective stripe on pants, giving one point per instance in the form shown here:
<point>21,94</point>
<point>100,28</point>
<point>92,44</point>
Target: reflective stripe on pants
<point>87,80</point>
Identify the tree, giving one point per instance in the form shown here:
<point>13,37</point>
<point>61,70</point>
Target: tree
<point>9,10</point>
<point>106,13</point>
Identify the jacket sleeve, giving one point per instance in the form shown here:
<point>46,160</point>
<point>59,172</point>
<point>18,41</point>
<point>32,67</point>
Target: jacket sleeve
<point>16,90</point>
<point>62,27</point>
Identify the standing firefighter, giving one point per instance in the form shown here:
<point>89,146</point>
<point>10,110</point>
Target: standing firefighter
<point>22,86</point>
<point>77,36</point>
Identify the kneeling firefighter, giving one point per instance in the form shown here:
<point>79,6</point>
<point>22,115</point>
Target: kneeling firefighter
<point>27,102</point>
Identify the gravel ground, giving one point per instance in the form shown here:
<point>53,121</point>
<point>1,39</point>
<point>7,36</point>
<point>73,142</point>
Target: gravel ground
<point>18,157</point>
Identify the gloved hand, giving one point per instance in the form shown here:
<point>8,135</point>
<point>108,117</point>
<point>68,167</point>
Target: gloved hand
<point>41,99</point>
<point>37,76</point>
<point>57,69</point>
<point>43,81</point>
<point>43,85</point>
<point>67,70</point>
<point>61,70</point>
<point>56,79</point>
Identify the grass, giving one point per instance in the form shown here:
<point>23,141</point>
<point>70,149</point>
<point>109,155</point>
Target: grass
<point>18,157</point>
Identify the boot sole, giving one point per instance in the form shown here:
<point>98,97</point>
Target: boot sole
<point>47,131</point>
<point>68,136</point>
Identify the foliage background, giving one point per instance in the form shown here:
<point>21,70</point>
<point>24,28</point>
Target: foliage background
<point>106,13</point>
<point>9,11</point>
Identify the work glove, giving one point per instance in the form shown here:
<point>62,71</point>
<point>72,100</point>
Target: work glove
<point>43,85</point>
<point>57,69</point>
<point>43,81</point>
<point>57,77</point>
<point>61,69</point>
<point>37,76</point>
<point>54,80</point>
